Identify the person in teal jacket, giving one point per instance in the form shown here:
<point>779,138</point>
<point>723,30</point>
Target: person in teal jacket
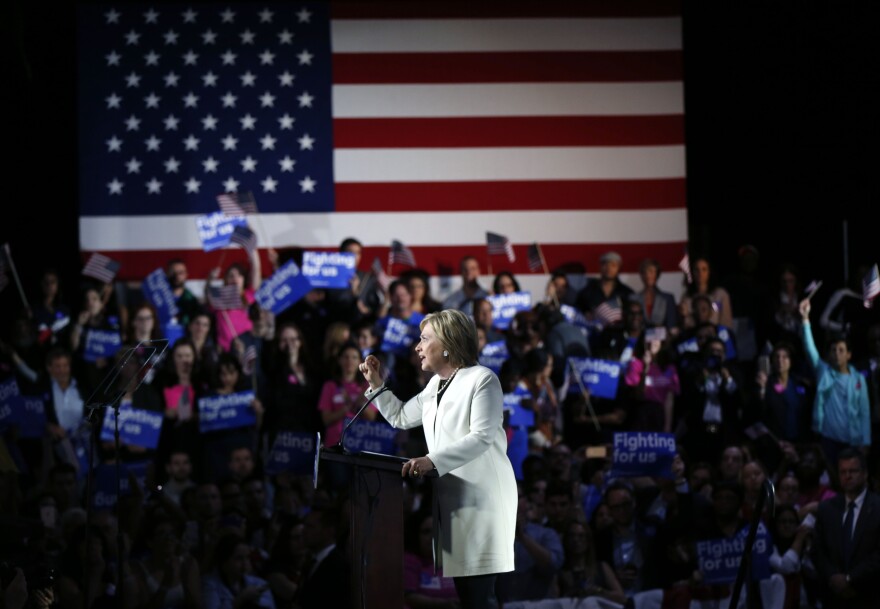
<point>841,411</point>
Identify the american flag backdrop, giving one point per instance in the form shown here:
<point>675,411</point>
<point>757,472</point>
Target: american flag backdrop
<point>555,123</point>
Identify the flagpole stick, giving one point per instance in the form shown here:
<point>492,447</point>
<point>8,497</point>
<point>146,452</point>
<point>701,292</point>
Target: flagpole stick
<point>15,275</point>
<point>546,272</point>
<point>586,395</point>
<point>489,256</point>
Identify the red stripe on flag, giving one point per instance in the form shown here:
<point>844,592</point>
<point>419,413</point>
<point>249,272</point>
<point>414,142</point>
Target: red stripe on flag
<point>519,131</point>
<point>439,260</point>
<point>511,196</point>
<point>537,66</point>
<point>438,10</point>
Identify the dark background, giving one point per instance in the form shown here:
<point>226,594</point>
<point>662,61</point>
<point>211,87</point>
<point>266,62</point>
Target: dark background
<point>781,135</point>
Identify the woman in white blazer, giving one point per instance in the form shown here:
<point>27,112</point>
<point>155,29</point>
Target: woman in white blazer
<point>475,494</point>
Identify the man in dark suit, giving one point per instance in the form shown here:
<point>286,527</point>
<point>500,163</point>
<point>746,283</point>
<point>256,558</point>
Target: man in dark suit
<point>846,552</point>
<point>327,574</point>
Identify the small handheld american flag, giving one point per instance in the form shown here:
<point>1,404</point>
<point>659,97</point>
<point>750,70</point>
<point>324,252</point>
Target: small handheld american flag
<point>225,298</point>
<point>237,203</point>
<point>401,254</point>
<point>499,244</point>
<point>871,286</point>
<point>101,267</point>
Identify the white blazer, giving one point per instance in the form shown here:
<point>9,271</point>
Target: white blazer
<point>475,496</point>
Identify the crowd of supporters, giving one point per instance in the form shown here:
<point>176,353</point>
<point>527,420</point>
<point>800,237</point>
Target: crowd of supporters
<point>751,384</point>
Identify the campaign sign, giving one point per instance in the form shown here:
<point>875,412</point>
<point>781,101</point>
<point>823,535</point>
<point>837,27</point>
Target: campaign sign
<point>494,355</point>
<point>374,436</point>
<point>231,411</point>
<point>399,336</point>
<point>101,344</point>
<point>105,481</point>
<point>643,453</point>
<point>600,376</point>
<point>283,288</point>
<point>576,318</point>
<point>292,452</point>
<point>328,269</point>
<point>137,427</point>
<point>518,450</point>
<point>215,230</point>
<point>158,293</point>
<point>719,559</point>
<point>173,331</point>
<point>688,346</point>
<point>520,416</point>
<point>9,393</point>
<point>30,416</point>
<point>726,335</point>
<point>506,306</point>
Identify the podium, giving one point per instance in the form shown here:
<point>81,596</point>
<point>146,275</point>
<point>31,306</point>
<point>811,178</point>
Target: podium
<point>376,528</point>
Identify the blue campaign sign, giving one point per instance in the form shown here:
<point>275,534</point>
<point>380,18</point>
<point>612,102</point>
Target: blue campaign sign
<point>173,332</point>
<point>101,344</point>
<point>231,411</point>
<point>600,376</point>
<point>518,450</point>
<point>643,453</point>
<point>105,481</point>
<point>688,346</point>
<point>293,452</point>
<point>374,436</point>
<point>494,355</point>
<point>9,394</point>
<point>137,427</point>
<point>215,230</point>
<point>719,559</point>
<point>286,286</point>
<point>520,416</point>
<point>31,416</point>
<point>574,317</point>
<point>399,336</point>
<point>726,335</point>
<point>506,306</point>
<point>158,292</point>
<point>328,269</point>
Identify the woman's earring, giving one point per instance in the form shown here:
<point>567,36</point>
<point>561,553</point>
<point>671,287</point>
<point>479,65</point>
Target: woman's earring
<point>446,354</point>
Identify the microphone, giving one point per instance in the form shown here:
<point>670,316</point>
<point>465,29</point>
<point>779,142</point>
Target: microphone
<point>341,444</point>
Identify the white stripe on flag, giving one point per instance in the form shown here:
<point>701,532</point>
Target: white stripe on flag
<point>485,164</point>
<point>429,228</point>
<point>488,35</point>
<point>508,99</point>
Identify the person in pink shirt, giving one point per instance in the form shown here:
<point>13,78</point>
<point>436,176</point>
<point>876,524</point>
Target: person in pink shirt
<point>654,380</point>
<point>232,322</point>
<point>342,395</point>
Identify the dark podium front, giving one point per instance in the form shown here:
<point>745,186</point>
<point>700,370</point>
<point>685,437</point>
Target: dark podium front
<point>376,534</point>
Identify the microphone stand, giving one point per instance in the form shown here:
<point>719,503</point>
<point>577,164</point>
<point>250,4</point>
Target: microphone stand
<point>96,411</point>
<point>768,494</point>
<point>340,446</point>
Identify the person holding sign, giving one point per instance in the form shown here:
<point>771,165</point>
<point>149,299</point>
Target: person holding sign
<point>475,495</point>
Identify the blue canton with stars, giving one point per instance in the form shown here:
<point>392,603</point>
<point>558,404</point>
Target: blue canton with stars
<point>177,104</point>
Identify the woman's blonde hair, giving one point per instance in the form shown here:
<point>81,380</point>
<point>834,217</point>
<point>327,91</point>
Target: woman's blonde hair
<point>456,333</point>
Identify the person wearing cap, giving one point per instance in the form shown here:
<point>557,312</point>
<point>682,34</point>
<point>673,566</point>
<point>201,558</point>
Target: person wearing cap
<point>607,287</point>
